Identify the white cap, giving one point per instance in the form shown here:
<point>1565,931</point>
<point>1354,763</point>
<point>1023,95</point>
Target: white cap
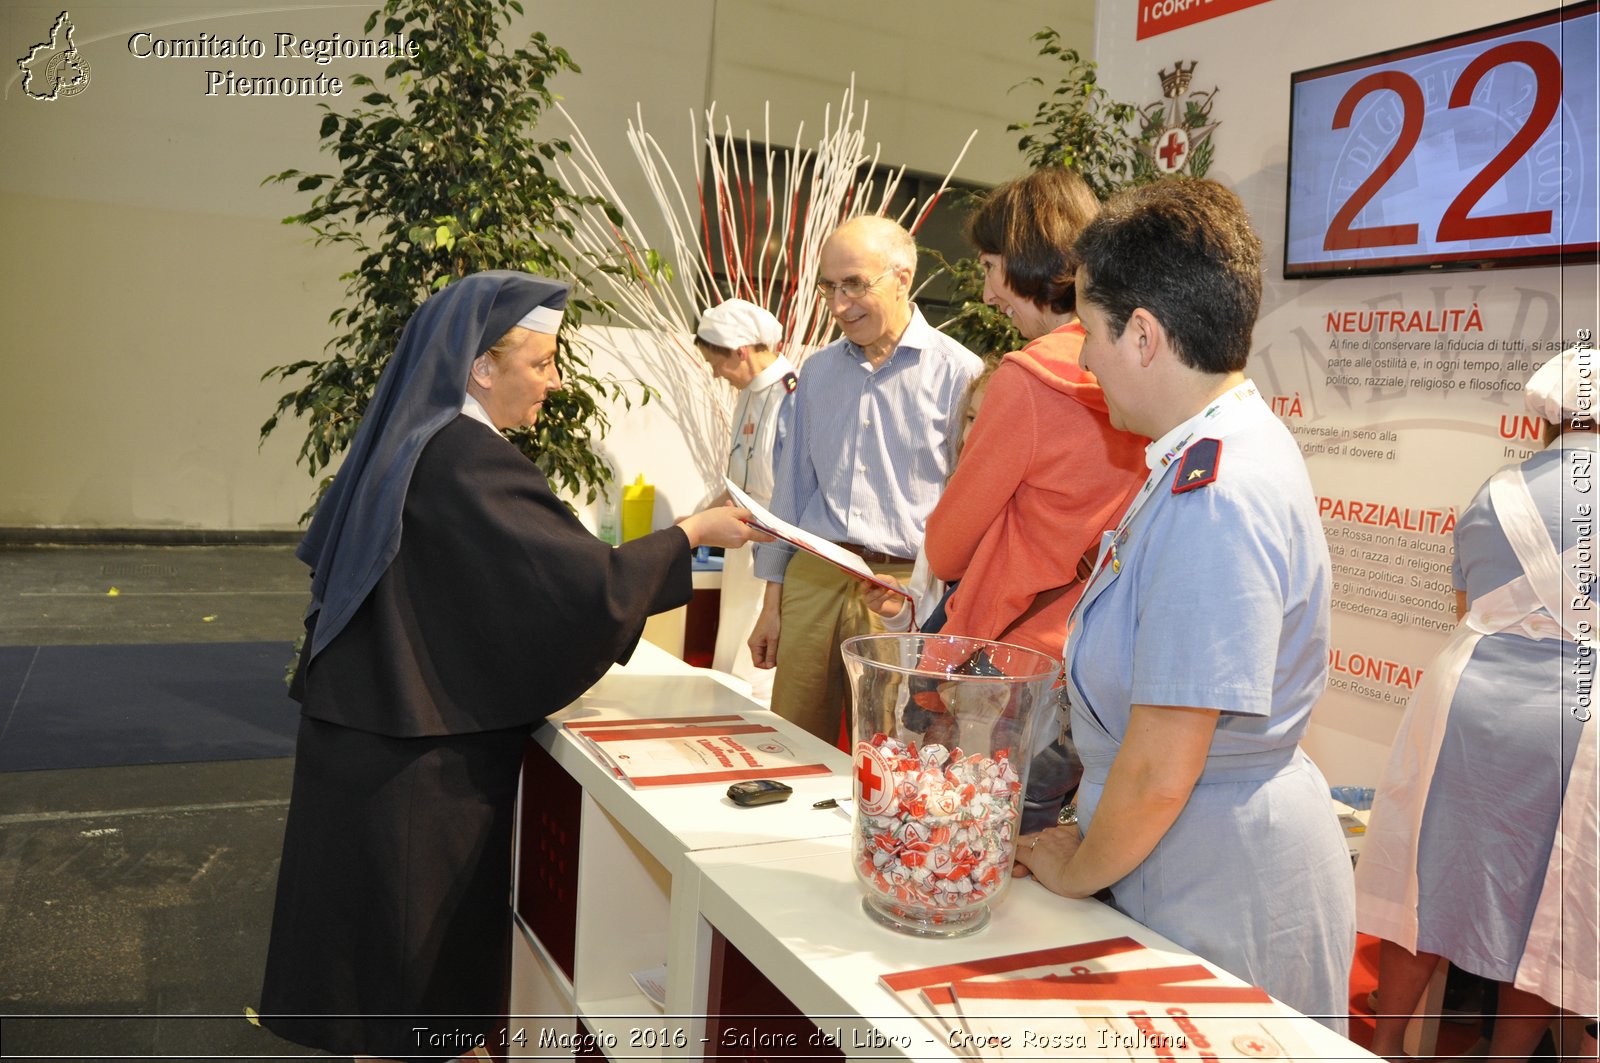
<point>739,323</point>
<point>1564,386</point>
<point>542,319</point>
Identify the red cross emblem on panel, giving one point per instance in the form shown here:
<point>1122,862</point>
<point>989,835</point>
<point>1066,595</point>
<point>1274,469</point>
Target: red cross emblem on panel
<point>1172,150</point>
<point>874,779</point>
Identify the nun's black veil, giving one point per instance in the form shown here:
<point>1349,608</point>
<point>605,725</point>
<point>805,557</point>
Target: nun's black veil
<point>356,530</point>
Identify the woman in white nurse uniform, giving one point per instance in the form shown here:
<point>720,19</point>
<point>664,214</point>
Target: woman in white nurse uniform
<point>1482,844</point>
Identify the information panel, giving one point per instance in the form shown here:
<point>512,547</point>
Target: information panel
<point>1468,151</point>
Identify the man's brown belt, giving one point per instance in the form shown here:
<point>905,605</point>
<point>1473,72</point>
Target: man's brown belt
<point>875,557</point>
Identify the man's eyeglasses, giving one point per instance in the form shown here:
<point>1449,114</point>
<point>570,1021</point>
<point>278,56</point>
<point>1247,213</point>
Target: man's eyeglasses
<point>854,287</point>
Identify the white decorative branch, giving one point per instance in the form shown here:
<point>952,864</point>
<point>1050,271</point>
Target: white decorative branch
<point>768,244</point>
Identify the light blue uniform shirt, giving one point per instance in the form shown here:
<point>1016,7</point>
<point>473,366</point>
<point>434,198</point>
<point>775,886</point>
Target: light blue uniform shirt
<point>1221,603</point>
<point>1220,600</point>
<point>868,451</point>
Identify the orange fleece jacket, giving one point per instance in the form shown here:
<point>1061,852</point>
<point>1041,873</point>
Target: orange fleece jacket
<point>1043,474</point>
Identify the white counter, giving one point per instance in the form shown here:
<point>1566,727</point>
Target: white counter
<point>670,873</point>
<point>633,907</point>
<point>767,901</point>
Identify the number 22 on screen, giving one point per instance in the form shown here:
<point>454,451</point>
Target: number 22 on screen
<point>1455,224</point>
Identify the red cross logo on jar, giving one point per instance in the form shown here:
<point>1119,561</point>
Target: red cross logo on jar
<point>874,779</point>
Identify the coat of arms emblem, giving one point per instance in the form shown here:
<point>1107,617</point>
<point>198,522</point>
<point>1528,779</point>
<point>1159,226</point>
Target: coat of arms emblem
<point>1176,130</point>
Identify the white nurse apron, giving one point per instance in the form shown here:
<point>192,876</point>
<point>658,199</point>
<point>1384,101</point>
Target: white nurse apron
<point>1386,874</point>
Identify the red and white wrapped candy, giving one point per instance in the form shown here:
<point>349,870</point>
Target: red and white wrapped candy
<point>935,828</point>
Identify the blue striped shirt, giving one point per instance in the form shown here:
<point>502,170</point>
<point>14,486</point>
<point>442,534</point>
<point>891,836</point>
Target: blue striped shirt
<point>868,451</point>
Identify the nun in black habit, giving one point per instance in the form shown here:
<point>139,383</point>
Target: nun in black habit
<point>455,603</point>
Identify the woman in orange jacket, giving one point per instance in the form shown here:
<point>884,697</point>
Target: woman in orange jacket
<point>1043,474</point>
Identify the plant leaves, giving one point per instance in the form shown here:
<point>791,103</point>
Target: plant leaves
<point>461,143</point>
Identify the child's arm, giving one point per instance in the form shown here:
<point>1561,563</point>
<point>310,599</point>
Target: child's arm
<point>893,608</point>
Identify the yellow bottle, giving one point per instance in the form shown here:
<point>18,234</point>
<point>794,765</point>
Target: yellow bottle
<point>638,508</point>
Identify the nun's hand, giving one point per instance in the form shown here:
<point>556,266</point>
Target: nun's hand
<point>722,526</point>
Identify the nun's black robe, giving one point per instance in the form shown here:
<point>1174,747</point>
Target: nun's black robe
<point>498,609</point>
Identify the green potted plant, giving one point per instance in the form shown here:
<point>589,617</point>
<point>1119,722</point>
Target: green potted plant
<point>441,175</point>
<point>1077,125</point>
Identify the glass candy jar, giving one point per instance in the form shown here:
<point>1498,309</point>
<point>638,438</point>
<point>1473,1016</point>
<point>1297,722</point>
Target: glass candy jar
<point>944,728</point>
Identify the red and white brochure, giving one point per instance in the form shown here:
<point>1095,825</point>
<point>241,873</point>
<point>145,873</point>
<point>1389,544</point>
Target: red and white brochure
<point>1035,1018</point>
<point>762,519</point>
<point>680,750</point>
<point>927,991</point>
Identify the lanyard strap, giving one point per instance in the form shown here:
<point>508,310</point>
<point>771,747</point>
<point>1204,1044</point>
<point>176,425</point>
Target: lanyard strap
<point>1237,407</point>
<point>743,451</point>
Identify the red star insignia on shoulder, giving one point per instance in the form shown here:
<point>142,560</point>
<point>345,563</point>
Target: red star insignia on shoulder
<point>1199,466</point>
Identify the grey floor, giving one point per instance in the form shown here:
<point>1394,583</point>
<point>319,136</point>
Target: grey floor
<point>135,901</point>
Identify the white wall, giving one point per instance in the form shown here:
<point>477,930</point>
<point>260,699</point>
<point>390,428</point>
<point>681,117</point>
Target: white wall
<point>933,70</point>
<point>1445,445</point>
<point>150,283</point>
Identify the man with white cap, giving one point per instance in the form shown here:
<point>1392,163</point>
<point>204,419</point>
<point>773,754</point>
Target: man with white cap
<point>738,341</point>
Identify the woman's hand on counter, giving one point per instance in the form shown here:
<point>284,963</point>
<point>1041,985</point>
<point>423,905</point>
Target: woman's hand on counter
<point>1047,856</point>
<point>1162,757</point>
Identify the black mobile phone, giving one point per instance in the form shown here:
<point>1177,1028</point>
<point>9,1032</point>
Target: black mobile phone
<point>759,792</point>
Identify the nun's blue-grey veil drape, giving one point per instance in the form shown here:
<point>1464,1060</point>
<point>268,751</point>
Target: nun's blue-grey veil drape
<point>356,530</point>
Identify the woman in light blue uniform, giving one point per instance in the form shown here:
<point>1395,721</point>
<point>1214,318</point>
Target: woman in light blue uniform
<point>1201,645</point>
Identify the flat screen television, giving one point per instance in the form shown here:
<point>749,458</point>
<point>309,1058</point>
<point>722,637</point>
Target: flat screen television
<point>1475,150</point>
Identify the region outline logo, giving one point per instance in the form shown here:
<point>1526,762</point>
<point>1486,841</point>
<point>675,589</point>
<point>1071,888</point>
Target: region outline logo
<point>56,64</point>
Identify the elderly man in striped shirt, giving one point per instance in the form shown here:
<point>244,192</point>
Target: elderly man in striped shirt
<point>869,447</point>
